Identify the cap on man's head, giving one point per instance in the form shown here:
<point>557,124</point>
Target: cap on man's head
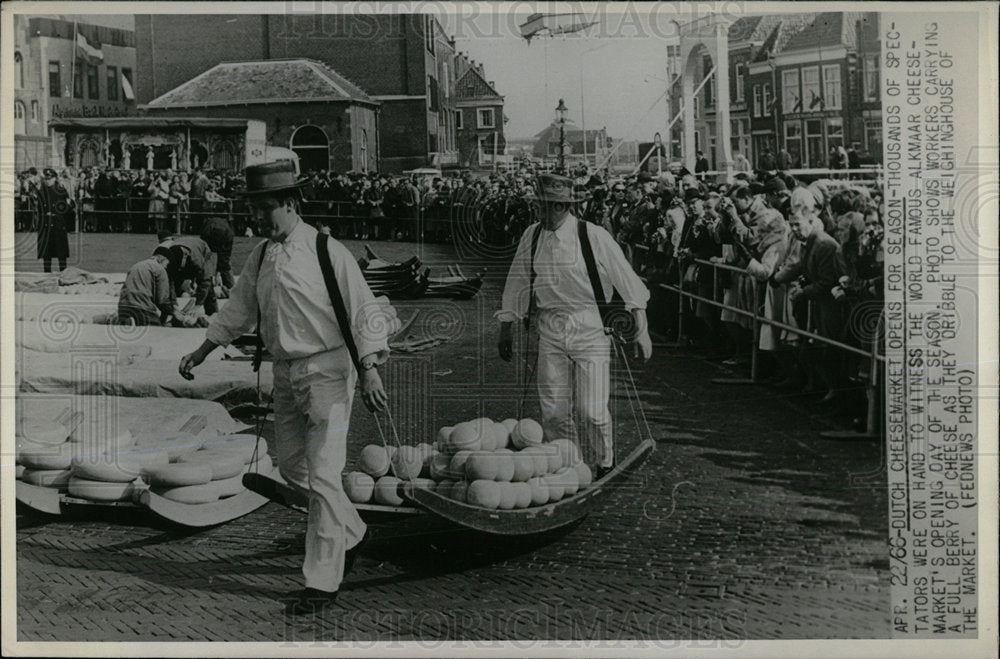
<point>775,185</point>
<point>48,172</point>
<point>163,235</point>
<point>162,251</point>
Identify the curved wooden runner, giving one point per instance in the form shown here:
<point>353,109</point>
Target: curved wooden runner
<point>527,521</point>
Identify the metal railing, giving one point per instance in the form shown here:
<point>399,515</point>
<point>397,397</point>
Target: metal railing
<point>873,427</point>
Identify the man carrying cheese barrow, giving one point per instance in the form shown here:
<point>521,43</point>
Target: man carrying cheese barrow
<point>282,288</point>
<point>574,350</point>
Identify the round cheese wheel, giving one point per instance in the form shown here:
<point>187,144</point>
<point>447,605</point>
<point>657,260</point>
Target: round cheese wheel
<point>508,496</point>
<point>408,462</point>
<point>223,465</point>
<point>57,478</point>
<point>263,466</point>
<point>174,445</point>
<point>243,445</point>
<point>193,494</point>
<point>524,467</point>
<point>522,493</point>
<point>374,460</point>
<point>483,493</point>
<point>439,465</point>
<point>459,491</point>
<point>42,432</point>
<point>179,475</point>
<point>100,490</point>
<point>228,487</point>
<point>570,480</point>
<point>555,486</point>
<point>584,475</point>
<point>110,469</point>
<point>359,486</point>
<point>51,457</point>
<point>149,458</point>
<point>387,491</point>
<point>505,465</point>
<point>539,492</point>
<point>424,484</point>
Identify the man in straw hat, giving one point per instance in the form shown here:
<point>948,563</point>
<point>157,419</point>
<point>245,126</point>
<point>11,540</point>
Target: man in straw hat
<point>574,351</point>
<point>282,287</point>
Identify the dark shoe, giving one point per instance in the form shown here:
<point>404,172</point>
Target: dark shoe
<point>311,601</point>
<point>351,554</point>
<point>601,472</point>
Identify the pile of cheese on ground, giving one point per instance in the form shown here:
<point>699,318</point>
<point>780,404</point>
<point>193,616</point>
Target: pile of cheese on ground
<point>180,466</point>
<point>494,465</point>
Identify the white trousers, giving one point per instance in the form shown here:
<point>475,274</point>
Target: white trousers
<point>574,380</point>
<point>312,410</point>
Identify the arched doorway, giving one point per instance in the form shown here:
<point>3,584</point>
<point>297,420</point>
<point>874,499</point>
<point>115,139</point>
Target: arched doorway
<point>704,46</point>
<point>312,147</point>
<point>199,155</point>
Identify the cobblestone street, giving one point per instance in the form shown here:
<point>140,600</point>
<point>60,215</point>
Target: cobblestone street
<point>743,524</point>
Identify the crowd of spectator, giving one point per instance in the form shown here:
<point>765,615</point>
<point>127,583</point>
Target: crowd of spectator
<point>807,256</point>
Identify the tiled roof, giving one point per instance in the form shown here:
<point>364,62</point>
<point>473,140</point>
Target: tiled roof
<point>827,29</point>
<point>797,32</point>
<point>265,81</point>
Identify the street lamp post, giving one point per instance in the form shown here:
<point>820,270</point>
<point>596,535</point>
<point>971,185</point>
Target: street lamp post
<point>561,111</point>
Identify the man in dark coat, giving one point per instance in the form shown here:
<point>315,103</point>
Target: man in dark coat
<point>218,233</point>
<point>54,206</point>
<point>701,166</point>
<point>190,258</point>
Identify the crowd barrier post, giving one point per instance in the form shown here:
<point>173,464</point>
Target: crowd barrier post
<point>755,333</point>
<point>873,420</point>
<point>873,426</point>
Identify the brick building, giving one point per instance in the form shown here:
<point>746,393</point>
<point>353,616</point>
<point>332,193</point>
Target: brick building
<point>55,76</point>
<point>403,61</point>
<point>327,120</point>
<point>800,82</point>
<point>479,114</point>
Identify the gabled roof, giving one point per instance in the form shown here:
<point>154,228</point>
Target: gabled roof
<point>474,85</point>
<point>753,28</point>
<point>827,29</point>
<point>263,81</point>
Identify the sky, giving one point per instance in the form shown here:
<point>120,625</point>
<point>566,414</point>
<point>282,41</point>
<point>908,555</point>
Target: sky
<point>619,65</point>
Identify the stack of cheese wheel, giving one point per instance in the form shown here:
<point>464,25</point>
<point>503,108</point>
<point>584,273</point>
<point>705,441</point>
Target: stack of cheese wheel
<point>44,452</point>
<point>229,457</point>
<point>204,469</point>
<point>381,471</point>
<point>514,466</point>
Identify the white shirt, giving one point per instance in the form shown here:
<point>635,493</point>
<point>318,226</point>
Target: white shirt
<point>297,317</point>
<point>561,281</point>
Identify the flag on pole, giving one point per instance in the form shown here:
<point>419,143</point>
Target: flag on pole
<point>127,89</point>
<point>92,53</point>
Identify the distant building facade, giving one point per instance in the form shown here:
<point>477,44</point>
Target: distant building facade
<point>403,61</point>
<point>799,83</point>
<point>479,113</point>
<point>329,122</point>
<point>65,68</point>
